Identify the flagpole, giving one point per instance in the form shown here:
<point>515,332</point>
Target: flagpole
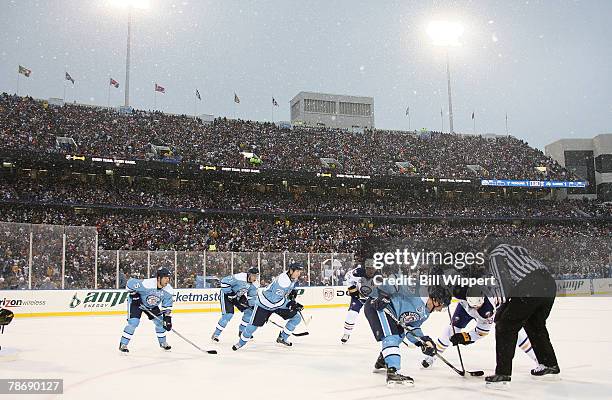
<point>64,90</point>
<point>408,119</point>
<point>108,95</point>
<point>155,99</point>
<point>506,124</point>
<point>474,121</point>
<point>272,109</point>
<point>127,56</point>
<point>442,120</point>
<point>17,53</point>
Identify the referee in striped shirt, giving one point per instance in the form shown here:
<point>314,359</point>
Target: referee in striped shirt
<point>528,291</point>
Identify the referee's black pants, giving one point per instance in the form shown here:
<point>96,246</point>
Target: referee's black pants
<point>523,312</point>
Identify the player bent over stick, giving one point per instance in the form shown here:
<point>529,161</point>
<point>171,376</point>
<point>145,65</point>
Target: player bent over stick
<point>408,310</point>
<point>238,290</point>
<point>277,298</point>
<point>360,284</point>
<point>473,305</point>
<point>154,297</point>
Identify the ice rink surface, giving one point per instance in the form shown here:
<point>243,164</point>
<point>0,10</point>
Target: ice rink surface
<point>83,351</point>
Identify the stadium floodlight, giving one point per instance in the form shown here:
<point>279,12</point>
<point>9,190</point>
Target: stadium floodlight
<point>130,5</point>
<point>141,4</point>
<point>446,34</point>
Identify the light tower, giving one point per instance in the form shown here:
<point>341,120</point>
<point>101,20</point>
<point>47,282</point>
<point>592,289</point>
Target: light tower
<point>446,34</point>
<point>130,5</point>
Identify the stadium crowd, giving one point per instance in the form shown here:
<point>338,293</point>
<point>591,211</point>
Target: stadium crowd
<point>27,124</point>
<point>192,233</point>
<point>195,195</point>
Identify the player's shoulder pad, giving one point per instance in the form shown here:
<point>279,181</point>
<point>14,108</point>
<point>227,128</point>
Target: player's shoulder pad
<point>283,280</point>
<point>487,309</point>
<point>168,289</point>
<point>133,284</point>
<point>359,272</point>
<point>150,283</point>
<point>242,276</point>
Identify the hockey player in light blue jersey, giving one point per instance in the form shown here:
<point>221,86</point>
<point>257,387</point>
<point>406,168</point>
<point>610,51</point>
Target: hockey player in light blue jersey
<point>155,296</point>
<point>240,291</point>
<point>411,311</point>
<point>279,298</point>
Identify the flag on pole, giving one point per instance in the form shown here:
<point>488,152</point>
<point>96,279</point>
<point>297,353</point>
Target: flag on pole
<point>69,78</point>
<point>408,110</point>
<point>24,71</point>
<point>198,95</point>
<point>236,98</point>
<point>114,83</point>
<point>160,89</point>
<point>472,115</point>
<point>274,103</point>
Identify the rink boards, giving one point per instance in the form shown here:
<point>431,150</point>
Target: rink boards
<point>46,303</point>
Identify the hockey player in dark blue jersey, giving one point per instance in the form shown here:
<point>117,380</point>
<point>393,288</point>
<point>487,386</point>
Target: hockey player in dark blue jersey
<point>277,298</point>
<point>152,296</point>
<point>240,291</point>
<point>411,311</point>
<point>360,287</point>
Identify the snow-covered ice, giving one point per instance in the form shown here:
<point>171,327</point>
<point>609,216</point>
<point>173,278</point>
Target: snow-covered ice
<point>83,351</point>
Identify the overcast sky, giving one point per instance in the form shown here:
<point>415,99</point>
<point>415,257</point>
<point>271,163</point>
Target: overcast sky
<point>547,64</point>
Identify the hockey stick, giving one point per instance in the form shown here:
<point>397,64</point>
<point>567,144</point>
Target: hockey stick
<point>306,321</point>
<point>150,314</point>
<point>294,334</point>
<point>420,344</point>
<point>454,333</point>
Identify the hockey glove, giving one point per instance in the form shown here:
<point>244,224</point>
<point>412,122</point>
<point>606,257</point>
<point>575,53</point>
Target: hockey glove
<point>292,295</point>
<point>294,306</point>
<point>428,347</point>
<point>461,338</point>
<point>243,302</point>
<point>167,322</point>
<point>381,302</point>
<point>6,316</point>
<point>353,292</point>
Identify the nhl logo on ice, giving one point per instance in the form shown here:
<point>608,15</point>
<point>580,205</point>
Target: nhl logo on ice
<point>328,294</point>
